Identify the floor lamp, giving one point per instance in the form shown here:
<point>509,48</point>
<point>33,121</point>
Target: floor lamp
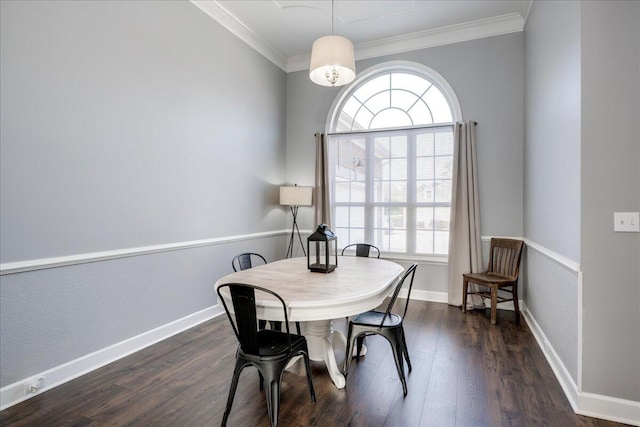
<point>294,196</point>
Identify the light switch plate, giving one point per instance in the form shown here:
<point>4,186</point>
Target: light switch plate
<point>626,222</point>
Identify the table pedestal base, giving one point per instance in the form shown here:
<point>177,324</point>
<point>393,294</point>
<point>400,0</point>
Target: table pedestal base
<point>322,340</point>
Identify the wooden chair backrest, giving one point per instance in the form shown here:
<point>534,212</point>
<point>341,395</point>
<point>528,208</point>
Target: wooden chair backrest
<point>504,257</point>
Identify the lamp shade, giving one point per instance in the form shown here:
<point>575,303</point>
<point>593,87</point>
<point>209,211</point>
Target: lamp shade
<point>332,61</point>
<point>295,196</point>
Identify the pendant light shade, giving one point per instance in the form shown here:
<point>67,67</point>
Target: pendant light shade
<point>332,61</point>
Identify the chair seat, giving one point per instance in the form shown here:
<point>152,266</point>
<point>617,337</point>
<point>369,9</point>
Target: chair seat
<point>487,278</point>
<point>374,318</point>
<point>275,343</point>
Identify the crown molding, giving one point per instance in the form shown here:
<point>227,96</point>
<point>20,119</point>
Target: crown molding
<point>229,21</point>
<point>505,24</point>
<point>482,28</point>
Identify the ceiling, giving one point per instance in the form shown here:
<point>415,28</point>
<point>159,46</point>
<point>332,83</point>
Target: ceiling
<point>283,30</point>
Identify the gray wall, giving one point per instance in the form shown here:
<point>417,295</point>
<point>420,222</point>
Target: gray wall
<point>126,124</point>
<point>610,182</point>
<point>552,149</point>
<point>487,77</point>
<point>52,316</point>
<point>119,120</point>
<point>552,171</point>
<point>581,164</point>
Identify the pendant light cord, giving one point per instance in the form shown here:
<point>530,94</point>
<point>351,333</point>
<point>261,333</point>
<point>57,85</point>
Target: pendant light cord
<point>332,17</point>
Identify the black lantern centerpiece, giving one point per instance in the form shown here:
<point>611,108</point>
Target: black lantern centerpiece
<point>323,238</point>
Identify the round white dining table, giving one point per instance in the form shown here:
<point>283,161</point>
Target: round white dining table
<point>358,284</point>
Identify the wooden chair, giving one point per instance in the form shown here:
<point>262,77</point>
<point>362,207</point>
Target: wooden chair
<point>362,250</point>
<point>502,272</point>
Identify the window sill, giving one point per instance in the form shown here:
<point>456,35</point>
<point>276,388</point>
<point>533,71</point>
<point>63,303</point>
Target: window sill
<point>422,259</point>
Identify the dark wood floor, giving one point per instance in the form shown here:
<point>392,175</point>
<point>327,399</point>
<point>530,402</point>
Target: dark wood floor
<point>465,373</point>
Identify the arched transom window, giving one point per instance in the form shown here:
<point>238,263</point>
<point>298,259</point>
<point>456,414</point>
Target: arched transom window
<point>391,160</point>
<point>394,99</point>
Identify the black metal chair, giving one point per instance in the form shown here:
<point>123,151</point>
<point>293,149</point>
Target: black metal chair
<point>246,260</point>
<point>387,324</point>
<point>268,350</point>
<point>362,250</point>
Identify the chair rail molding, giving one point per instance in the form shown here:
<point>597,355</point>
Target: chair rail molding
<point>42,263</point>
<point>570,264</point>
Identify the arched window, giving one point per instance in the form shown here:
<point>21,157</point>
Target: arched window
<point>391,158</point>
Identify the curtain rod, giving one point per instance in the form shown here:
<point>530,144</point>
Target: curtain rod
<point>440,125</point>
<point>435,126</point>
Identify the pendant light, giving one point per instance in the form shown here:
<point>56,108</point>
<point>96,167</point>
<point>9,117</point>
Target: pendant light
<point>332,59</point>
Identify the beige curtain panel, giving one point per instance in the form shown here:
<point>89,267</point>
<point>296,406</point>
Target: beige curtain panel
<point>321,191</point>
<point>465,250</point>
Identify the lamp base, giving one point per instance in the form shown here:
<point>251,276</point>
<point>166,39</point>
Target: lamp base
<point>294,230</point>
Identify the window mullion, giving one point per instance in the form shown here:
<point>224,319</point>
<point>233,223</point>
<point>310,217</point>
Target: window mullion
<point>411,193</point>
<point>369,196</point>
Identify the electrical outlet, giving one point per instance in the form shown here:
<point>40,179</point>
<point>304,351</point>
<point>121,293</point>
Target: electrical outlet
<point>34,385</point>
<point>626,222</point>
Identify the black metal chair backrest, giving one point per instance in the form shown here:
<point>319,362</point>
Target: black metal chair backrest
<point>245,324</point>
<point>363,250</point>
<point>411,271</point>
<point>244,261</point>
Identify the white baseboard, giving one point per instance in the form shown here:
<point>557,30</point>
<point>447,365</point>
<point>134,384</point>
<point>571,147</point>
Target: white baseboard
<point>588,404</point>
<point>15,393</point>
<point>609,408</point>
<point>562,374</point>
